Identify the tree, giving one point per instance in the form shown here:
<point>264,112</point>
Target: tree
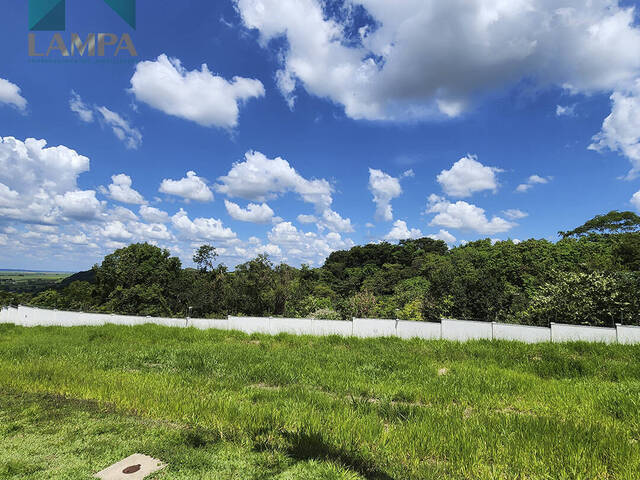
<point>253,287</point>
<point>597,298</point>
<point>362,304</point>
<point>612,223</point>
<point>204,258</point>
<point>148,271</point>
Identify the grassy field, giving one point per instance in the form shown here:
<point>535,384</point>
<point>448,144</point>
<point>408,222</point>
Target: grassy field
<point>21,282</point>
<point>224,405</point>
<point>26,276</point>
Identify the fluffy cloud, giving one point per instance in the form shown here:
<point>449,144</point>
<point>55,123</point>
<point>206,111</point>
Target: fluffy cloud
<point>201,229</point>
<point>385,188</point>
<point>191,187</point>
<point>305,247</point>
<point>334,222</point>
<point>330,220</point>
<point>10,94</point>
<point>79,205</point>
<point>531,182</point>
<point>130,136</point>
<point>464,216</point>
<point>122,213</point>
<point>259,179</point>
<point>399,231</point>
<point>38,184</point>
<point>635,200</point>
<point>153,215</point>
<point>197,95</point>
<point>444,236</point>
<point>468,176</point>
<point>621,129</point>
<point>116,231</point>
<point>120,190</point>
<point>398,66</point>
<point>254,213</point>
<point>307,219</point>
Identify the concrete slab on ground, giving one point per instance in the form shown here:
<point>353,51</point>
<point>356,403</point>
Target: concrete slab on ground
<point>134,467</point>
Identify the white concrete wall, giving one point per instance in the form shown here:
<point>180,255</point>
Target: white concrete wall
<point>575,333</point>
<point>332,327</point>
<point>206,324</point>
<point>33,317</point>
<point>168,322</point>
<point>628,334</point>
<point>521,333</point>
<point>462,330</point>
<point>250,324</point>
<point>94,319</point>
<point>12,315</point>
<point>128,320</point>
<point>370,327</point>
<point>294,326</point>
<point>426,330</point>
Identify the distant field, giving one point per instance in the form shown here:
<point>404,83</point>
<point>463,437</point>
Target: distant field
<point>20,282</point>
<point>224,405</point>
<point>25,276</point>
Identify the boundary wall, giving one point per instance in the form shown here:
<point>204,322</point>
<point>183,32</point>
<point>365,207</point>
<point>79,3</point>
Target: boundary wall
<point>447,329</point>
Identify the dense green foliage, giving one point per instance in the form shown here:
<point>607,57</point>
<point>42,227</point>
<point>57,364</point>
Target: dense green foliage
<point>591,276</point>
<point>225,405</point>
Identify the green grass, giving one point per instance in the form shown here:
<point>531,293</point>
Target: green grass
<point>27,276</point>
<point>225,405</point>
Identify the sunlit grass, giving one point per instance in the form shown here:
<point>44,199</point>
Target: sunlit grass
<point>312,407</point>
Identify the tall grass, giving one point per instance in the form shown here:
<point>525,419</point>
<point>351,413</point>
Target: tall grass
<point>378,408</point>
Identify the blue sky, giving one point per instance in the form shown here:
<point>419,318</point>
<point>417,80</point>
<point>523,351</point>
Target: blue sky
<point>315,126</point>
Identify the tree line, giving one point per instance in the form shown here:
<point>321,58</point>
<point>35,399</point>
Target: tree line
<point>590,276</point>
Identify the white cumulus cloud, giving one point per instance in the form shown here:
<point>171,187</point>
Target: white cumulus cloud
<point>621,129</point>
<point>153,215</point>
<point>191,187</point>
<point>398,65</point>
<point>385,188</point>
<point>79,204</point>
<point>254,213</point>
<point>465,216</point>
<point>400,231</point>
<point>38,184</point>
<point>259,178</point>
<point>120,190</point>
<point>635,200</point>
<point>201,229</point>
<point>10,94</point>
<point>198,95</point>
<point>468,176</point>
<point>445,236</point>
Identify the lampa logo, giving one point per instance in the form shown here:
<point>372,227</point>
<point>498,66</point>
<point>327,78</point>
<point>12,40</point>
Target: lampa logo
<point>50,15</point>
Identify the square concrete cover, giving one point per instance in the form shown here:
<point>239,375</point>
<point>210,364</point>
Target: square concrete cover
<point>147,464</point>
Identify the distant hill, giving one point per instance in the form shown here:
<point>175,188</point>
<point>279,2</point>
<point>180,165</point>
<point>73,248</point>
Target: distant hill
<point>88,276</point>
<point>18,270</point>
